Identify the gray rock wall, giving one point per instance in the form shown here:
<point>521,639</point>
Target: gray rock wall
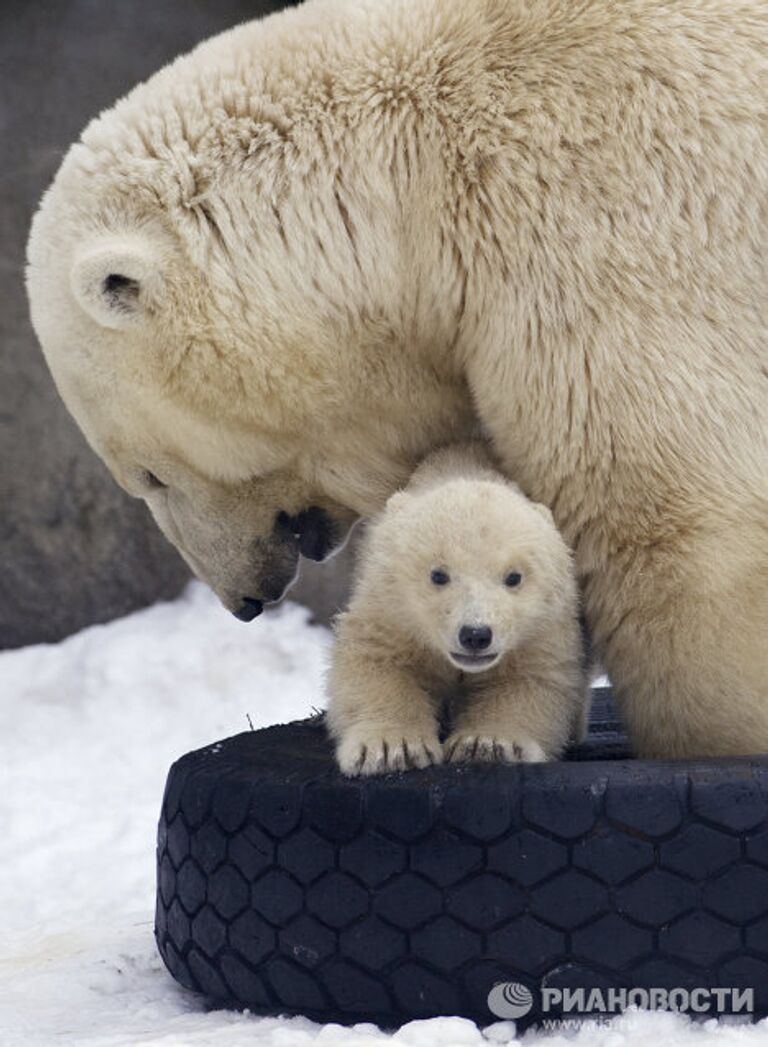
<point>74,549</point>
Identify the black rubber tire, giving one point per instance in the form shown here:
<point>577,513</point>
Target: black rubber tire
<point>284,887</point>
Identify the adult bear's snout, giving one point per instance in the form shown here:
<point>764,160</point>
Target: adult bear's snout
<point>249,609</point>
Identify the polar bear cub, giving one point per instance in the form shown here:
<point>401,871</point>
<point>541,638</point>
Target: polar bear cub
<point>465,610</point>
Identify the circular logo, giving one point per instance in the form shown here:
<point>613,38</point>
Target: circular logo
<point>510,1000</point>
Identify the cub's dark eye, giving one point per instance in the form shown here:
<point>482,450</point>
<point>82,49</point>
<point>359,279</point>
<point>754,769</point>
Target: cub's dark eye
<point>151,481</point>
<point>439,577</point>
<point>513,579</point>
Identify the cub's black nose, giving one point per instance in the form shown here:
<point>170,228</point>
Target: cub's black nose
<point>249,609</point>
<point>475,637</point>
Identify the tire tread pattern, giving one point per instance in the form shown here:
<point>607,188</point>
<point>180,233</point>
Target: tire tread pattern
<point>284,887</point>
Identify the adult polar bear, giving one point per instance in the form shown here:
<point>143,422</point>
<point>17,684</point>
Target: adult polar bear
<point>274,277</point>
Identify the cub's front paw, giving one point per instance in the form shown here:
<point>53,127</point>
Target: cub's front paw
<point>382,751</point>
<point>464,747</point>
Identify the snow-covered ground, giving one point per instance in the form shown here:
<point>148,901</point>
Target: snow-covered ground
<point>88,729</point>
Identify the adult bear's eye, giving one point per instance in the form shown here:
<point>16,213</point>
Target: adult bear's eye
<point>439,577</point>
<point>513,579</point>
<point>151,481</point>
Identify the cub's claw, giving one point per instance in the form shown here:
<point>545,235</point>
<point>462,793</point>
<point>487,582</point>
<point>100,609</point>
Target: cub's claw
<point>469,748</point>
<point>383,753</point>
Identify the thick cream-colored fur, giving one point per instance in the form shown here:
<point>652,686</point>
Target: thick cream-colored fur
<point>348,232</point>
<point>394,671</point>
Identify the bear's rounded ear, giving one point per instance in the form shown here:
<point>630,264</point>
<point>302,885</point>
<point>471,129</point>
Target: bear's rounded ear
<point>545,511</point>
<point>118,281</point>
<point>398,501</point>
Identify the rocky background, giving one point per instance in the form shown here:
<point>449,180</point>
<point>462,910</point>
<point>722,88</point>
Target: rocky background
<point>74,549</point>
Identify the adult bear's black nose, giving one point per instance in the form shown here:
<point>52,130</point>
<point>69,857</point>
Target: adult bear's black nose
<point>249,609</point>
<point>475,637</point>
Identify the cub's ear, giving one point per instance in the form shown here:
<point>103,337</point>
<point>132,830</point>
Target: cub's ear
<point>118,281</point>
<point>398,501</point>
<point>545,511</point>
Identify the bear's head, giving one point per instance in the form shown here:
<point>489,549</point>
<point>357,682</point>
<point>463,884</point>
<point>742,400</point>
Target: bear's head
<point>229,356</point>
<point>473,570</point>
<point>239,504</point>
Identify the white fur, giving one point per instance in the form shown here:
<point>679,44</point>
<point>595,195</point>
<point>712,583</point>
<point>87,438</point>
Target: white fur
<point>378,223</point>
<point>398,659</point>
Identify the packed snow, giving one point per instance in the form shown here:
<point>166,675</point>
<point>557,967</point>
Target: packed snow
<point>89,729</point>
